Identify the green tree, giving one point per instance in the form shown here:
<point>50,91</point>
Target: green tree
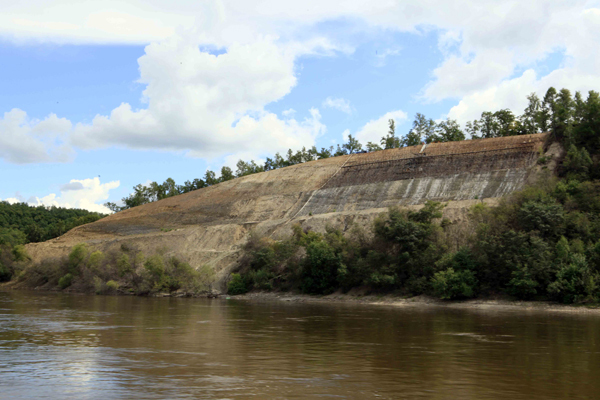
<point>449,131</point>
<point>320,268</point>
<point>450,284</point>
<point>530,120</point>
<point>353,145</point>
<point>546,120</point>
<point>577,163</point>
<point>423,129</point>
<point>210,178</point>
<point>226,174</point>
<point>587,132</point>
<point>77,256</point>
<point>373,147</point>
<point>12,237</point>
<point>390,141</point>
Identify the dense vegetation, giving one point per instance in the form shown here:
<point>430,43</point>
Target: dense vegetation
<point>125,271</point>
<point>21,223</point>
<point>557,111</point>
<point>542,242</point>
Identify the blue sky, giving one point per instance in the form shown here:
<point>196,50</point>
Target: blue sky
<point>110,95</point>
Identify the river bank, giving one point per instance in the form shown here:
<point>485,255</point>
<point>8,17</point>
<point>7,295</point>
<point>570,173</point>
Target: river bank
<point>498,304</point>
<point>391,300</point>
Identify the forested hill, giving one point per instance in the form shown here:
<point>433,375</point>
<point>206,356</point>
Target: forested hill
<point>21,223</point>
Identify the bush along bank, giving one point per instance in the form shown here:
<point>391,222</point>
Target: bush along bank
<point>120,272</point>
<point>542,243</point>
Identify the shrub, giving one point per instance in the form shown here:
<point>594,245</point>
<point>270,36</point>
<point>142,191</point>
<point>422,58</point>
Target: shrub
<point>139,260</point>
<point>155,266</point>
<point>5,273</point>
<point>12,237</point>
<point>262,279</point>
<point>124,265</point>
<point>179,275</point>
<point>202,280</point>
<point>381,280</point>
<point>112,285</point>
<point>522,285</point>
<point>418,285</point>
<point>575,281</point>
<point>95,260</point>
<point>20,254</point>
<point>404,233</point>
<point>65,281</point>
<point>500,254</point>
<point>264,257</point>
<point>236,285</point>
<point>99,286</point>
<point>463,259</point>
<point>450,284</point>
<point>546,217</point>
<point>320,268</point>
<point>77,256</point>
<point>577,163</point>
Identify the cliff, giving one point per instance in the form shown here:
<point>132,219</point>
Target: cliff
<point>208,225</point>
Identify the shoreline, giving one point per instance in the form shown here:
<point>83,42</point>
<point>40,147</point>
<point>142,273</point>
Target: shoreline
<point>389,300</point>
<point>489,304</point>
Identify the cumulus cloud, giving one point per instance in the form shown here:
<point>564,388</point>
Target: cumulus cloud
<point>24,140</point>
<point>345,134</point>
<point>512,93</point>
<point>381,56</point>
<point>73,185</point>
<point>12,200</point>
<point>375,129</point>
<point>288,113</point>
<point>208,104</point>
<point>580,72</point>
<point>338,103</point>
<point>88,194</point>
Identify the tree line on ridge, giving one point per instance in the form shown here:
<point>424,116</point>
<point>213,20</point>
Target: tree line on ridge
<point>557,111</point>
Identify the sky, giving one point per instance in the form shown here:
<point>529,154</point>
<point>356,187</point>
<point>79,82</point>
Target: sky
<point>99,96</point>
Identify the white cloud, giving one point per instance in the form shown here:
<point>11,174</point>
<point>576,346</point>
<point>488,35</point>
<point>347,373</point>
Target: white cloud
<point>512,93</point>
<point>575,30</point>
<point>457,77</point>
<point>210,105</point>
<point>381,56</point>
<point>490,47</point>
<point>375,129</point>
<point>338,103</point>
<point>345,134</point>
<point>74,185</point>
<point>288,113</point>
<point>12,200</point>
<point>24,140</point>
<point>89,196</point>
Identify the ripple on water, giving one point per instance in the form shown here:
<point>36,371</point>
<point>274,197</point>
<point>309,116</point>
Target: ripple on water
<point>98,348</point>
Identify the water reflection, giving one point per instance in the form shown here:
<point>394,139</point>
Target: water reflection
<point>70,346</point>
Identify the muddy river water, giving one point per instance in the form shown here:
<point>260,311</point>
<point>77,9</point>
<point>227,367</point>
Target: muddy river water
<point>65,346</point>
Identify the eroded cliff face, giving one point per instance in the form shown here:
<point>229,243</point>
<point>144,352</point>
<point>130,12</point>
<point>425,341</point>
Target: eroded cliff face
<point>209,225</point>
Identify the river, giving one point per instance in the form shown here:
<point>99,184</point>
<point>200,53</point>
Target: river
<point>65,346</point>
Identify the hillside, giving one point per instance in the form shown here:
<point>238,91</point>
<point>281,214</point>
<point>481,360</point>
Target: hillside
<point>208,225</point>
